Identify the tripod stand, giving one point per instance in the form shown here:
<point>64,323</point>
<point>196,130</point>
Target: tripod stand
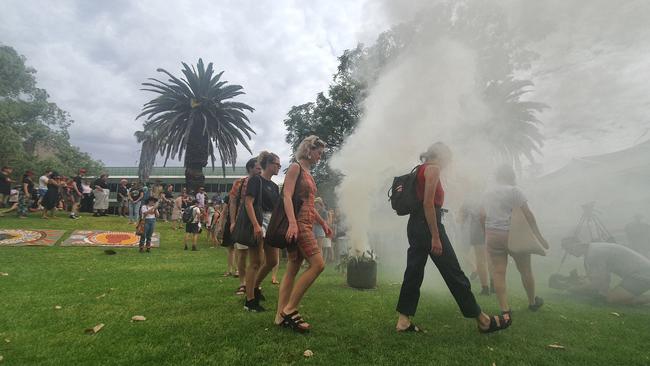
<point>591,223</point>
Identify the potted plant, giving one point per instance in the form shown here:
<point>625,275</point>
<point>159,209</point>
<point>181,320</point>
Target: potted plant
<point>361,270</point>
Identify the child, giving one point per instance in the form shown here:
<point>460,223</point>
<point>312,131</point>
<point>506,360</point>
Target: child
<point>148,212</point>
<point>193,226</point>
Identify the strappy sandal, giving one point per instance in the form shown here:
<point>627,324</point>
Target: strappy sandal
<point>294,321</point>
<point>411,328</point>
<point>538,304</point>
<point>495,326</point>
<point>241,290</point>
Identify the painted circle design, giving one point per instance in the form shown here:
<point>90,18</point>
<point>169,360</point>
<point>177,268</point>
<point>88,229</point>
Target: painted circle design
<point>115,238</point>
<point>20,236</point>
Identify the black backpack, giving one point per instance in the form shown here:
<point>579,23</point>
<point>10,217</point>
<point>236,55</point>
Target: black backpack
<point>188,215</point>
<point>403,194</point>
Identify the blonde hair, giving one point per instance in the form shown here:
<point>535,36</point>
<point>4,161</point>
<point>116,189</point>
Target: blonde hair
<point>437,150</point>
<point>266,157</point>
<point>308,145</point>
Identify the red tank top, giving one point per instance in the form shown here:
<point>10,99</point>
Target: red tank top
<point>439,197</point>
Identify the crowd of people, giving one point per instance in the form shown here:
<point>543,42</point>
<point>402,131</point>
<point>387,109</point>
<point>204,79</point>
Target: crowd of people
<point>241,220</point>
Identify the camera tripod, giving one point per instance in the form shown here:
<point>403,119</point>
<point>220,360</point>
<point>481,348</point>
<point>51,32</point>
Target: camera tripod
<point>593,225</point>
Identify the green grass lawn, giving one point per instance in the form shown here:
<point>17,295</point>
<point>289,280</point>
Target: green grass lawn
<point>194,318</point>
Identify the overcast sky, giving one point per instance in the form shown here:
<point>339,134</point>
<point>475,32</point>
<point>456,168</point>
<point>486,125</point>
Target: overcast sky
<point>91,56</point>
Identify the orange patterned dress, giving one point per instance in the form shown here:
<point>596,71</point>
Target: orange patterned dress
<point>306,190</point>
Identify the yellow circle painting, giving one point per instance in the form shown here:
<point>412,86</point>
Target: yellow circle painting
<point>115,238</point>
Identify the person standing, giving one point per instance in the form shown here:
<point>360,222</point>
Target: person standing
<point>25,194</point>
<point>427,238</point>
<point>42,185</point>
<point>77,193</point>
<point>148,212</point>
<point>638,235</point>
<point>5,185</point>
<point>87,200</point>
<point>200,198</point>
<point>263,193</point>
<point>51,198</point>
<point>301,233</point>
<point>235,199</point>
<point>469,219</point>
<point>135,201</point>
<point>101,192</point>
<point>167,203</point>
<point>123,198</point>
<point>498,204</point>
<point>177,211</point>
<point>193,226</point>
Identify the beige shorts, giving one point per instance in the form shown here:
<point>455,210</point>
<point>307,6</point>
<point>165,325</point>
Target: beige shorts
<point>497,242</point>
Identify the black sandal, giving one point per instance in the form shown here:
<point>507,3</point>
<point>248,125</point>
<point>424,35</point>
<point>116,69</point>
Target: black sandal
<point>411,328</point>
<point>293,321</point>
<point>494,326</point>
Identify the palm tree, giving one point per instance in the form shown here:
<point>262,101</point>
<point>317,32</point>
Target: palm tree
<point>192,116</point>
<point>148,152</point>
<point>513,128</point>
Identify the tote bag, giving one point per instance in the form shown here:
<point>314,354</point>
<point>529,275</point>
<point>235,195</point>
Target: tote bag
<point>521,238</point>
<point>243,233</point>
<point>276,233</point>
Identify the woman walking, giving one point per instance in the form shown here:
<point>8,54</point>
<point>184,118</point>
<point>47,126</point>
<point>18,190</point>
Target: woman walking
<point>427,238</point>
<point>235,198</point>
<point>498,204</point>
<point>149,212</point>
<point>305,247</point>
<point>263,193</point>
<point>469,219</point>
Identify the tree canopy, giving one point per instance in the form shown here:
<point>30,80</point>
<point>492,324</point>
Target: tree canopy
<point>34,130</point>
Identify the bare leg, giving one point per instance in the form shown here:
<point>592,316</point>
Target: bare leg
<point>316,266</point>
<point>241,265</point>
<point>274,275</point>
<point>481,264</point>
<point>619,295</point>
<point>231,259</point>
<point>270,261</point>
<point>527,279</point>
<point>499,265</point>
<point>254,258</point>
<point>286,286</point>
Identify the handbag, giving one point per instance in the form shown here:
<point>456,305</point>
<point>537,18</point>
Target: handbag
<point>276,233</point>
<point>521,239</point>
<point>139,228</point>
<point>243,233</point>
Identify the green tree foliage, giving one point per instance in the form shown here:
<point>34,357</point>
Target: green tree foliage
<point>34,130</point>
<point>192,116</point>
<point>511,124</point>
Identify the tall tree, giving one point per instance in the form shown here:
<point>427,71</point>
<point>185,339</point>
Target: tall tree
<point>192,116</point>
<point>34,130</point>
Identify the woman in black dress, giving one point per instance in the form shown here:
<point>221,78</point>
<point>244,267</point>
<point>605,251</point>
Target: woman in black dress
<point>51,198</point>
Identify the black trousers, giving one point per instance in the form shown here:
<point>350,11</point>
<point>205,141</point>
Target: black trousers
<point>419,251</point>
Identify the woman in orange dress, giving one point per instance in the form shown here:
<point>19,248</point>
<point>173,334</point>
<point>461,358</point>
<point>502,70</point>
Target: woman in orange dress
<point>299,180</point>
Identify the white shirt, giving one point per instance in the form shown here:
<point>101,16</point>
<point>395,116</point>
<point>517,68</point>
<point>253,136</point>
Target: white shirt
<point>146,208</point>
<point>200,199</point>
<point>42,182</point>
<point>498,203</point>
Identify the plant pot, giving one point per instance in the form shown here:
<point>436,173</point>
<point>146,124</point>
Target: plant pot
<point>362,274</point>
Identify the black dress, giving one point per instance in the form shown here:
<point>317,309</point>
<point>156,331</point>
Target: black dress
<point>51,198</point>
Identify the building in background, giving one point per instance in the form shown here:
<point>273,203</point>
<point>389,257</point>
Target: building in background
<point>215,182</point>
